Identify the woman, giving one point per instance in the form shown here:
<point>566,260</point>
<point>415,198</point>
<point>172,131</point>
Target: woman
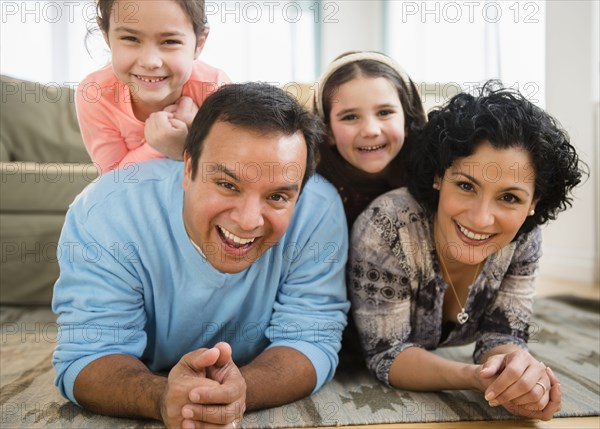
<point>452,259</point>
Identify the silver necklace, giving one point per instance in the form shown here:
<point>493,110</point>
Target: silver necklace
<point>462,315</point>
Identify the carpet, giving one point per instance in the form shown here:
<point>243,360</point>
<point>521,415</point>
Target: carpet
<point>565,334</point>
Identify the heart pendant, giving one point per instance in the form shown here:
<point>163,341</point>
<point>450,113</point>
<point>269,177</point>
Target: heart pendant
<point>462,317</point>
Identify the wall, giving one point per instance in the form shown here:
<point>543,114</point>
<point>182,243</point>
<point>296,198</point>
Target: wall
<point>571,242</point>
<point>354,26</point>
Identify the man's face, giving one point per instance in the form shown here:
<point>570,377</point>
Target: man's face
<point>243,196</point>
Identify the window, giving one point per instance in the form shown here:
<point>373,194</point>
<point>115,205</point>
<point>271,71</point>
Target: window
<point>467,42</point>
<point>45,41</point>
<point>274,41</point>
<point>270,41</point>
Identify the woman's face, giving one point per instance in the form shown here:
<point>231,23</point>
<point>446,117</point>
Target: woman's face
<point>484,200</point>
<point>367,122</point>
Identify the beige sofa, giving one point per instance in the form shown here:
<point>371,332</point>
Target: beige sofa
<point>43,166</point>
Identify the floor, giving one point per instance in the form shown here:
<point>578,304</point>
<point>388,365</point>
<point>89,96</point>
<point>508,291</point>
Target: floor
<point>564,423</point>
<point>550,286</point>
<point>545,287</point>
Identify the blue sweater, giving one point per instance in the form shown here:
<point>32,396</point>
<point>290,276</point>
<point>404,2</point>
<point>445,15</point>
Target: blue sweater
<point>131,282</point>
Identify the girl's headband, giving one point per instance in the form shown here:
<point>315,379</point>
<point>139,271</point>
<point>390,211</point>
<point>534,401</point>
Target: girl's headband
<point>351,58</point>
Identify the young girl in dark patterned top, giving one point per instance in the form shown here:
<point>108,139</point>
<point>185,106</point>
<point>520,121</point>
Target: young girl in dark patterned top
<point>370,108</point>
<point>452,259</point>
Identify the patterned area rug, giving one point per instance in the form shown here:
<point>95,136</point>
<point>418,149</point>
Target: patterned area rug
<point>565,334</point>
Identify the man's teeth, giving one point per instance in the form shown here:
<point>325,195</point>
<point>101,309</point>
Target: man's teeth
<point>371,148</point>
<point>150,79</point>
<point>472,235</point>
<point>235,238</point>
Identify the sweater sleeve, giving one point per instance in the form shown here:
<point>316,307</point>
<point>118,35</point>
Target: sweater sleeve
<point>99,301</point>
<point>381,277</point>
<point>310,311</point>
<point>506,320</point>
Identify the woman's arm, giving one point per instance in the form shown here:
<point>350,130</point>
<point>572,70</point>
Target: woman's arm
<point>419,369</point>
<point>520,382</point>
<point>386,264</point>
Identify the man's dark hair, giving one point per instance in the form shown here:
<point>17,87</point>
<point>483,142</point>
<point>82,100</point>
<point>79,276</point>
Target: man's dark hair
<point>506,119</point>
<point>258,107</point>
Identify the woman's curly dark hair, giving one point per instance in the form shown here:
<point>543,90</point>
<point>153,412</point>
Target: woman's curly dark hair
<point>506,119</point>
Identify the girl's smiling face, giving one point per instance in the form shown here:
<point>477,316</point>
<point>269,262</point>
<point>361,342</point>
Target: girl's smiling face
<point>153,46</point>
<point>484,200</point>
<point>367,122</point>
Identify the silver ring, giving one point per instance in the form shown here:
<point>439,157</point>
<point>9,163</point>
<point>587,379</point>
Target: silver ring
<point>542,385</point>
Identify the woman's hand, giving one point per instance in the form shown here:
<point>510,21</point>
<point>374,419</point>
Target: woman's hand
<point>521,384</point>
<point>552,407</point>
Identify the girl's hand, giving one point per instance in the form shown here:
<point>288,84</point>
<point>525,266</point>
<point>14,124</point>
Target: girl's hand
<point>166,134</point>
<point>184,109</point>
<point>521,384</point>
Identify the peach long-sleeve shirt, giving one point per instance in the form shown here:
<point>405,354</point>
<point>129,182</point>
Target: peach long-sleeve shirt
<point>112,134</point>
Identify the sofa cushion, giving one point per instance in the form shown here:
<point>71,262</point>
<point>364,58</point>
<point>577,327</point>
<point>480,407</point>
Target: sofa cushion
<point>31,187</point>
<point>38,123</point>
<point>43,166</point>
<point>302,92</point>
<point>28,267</point>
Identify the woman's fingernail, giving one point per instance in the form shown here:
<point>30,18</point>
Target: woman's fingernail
<point>186,413</point>
<point>489,396</point>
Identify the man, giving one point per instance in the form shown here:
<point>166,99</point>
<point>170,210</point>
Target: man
<point>226,271</point>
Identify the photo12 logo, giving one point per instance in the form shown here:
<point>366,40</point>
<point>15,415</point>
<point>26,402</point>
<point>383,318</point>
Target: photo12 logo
<point>271,11</point>
<point>52,12</point>
<point>470,11</point>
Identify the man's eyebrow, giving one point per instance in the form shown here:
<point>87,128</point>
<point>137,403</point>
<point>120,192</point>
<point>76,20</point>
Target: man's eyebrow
<point>292,187</point>
<point>221,168</point>
<point>288,188</point>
